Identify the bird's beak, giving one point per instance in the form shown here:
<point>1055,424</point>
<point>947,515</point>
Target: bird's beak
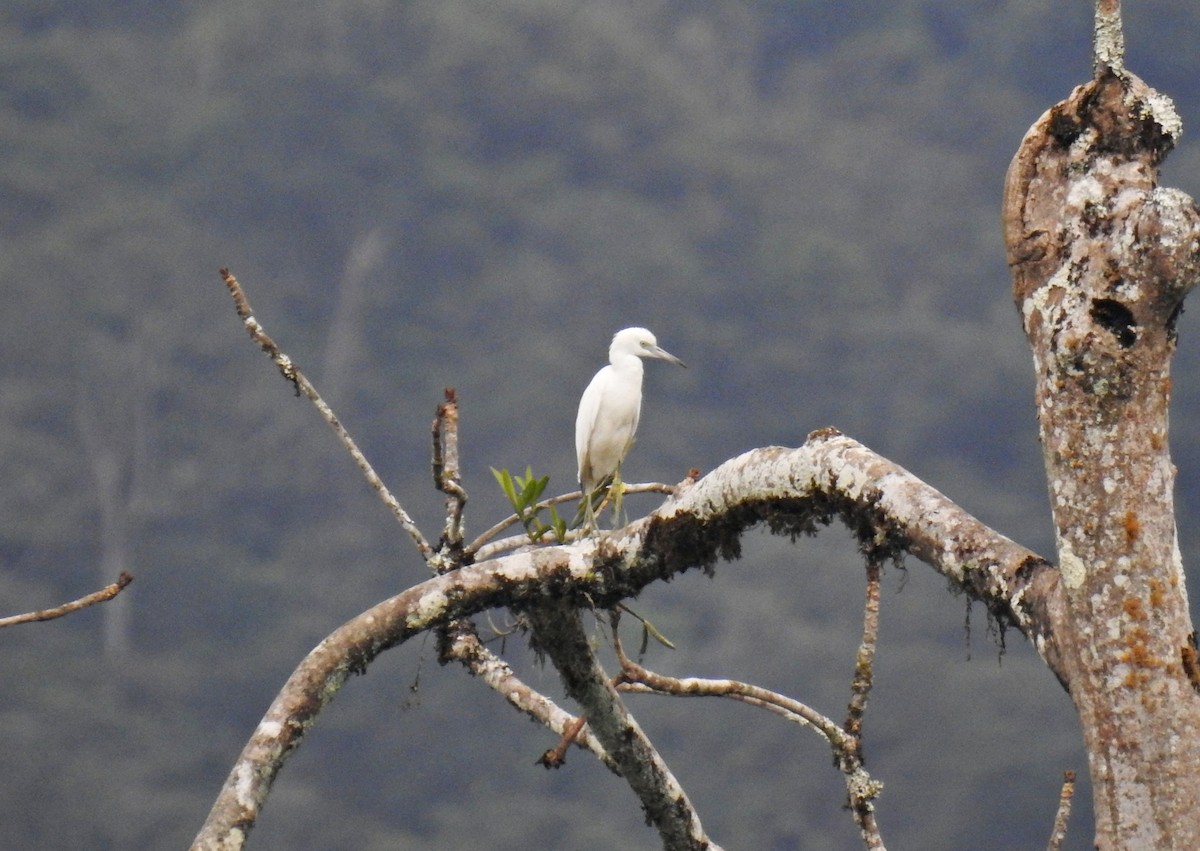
<point>663,354</point>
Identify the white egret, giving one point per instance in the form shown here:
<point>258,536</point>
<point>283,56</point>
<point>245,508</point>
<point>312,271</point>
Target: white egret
<point>609,411</point>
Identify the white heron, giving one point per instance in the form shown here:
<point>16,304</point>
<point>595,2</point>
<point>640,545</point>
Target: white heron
<point>609,411</point>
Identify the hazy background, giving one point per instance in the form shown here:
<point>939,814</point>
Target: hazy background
<point>800,198</point>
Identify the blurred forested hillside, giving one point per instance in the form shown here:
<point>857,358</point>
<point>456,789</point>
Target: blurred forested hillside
<point>800,198</point>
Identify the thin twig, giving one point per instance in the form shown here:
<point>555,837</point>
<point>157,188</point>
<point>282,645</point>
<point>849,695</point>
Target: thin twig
<point>514,542</point>
<point>846,742</point>
<point>446,470</point>
<point>475,547</point>
<point>557,755</point>
<point>103,595</point>
<point>635,678</point>
<point>1059,834</point>
<point>860,686</point>
<point>292,373</point>
<point>438,462</point>
<point>1108,39</point>
<point>862,791</point>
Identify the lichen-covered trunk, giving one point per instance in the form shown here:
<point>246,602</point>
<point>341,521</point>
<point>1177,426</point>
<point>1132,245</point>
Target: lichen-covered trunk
<point>1101,259</point>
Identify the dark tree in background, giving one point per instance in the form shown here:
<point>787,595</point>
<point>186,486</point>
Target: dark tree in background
<point>800,199</point>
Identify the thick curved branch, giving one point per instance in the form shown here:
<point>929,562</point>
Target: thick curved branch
<point>791,490</point>
<point>891,511</point>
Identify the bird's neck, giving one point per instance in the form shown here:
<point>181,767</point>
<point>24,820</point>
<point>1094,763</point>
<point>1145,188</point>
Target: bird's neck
<point>627,364</point>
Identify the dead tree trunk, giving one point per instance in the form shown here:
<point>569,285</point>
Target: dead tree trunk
<point>1101,259</point>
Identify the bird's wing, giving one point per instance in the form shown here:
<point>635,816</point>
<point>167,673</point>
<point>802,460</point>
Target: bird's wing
<point>585,421</point>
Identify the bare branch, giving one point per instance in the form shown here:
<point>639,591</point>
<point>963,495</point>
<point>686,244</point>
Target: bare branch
<point>1108,45</point>
<point>445,469</point>
<point>638,679</point>
<point>890,510</point>
<point>292,373</point>
<point>1059,834</point>
<point>436,602</point>
<point>103,595</point>
<point>464,646</point>
<point>863,671</point>
<point>791,490</point>
<point>559,633</point>
<point>846,746</point>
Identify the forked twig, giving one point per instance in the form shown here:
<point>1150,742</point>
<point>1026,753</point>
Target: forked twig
<point>103,595</point>
<point>461,644</point>
<point>845,741</point>
<point>292,373</point>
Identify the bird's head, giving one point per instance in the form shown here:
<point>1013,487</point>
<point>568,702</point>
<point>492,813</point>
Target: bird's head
<point>639,342</point>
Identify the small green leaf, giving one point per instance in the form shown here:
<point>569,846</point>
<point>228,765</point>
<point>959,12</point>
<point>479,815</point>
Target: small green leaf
<point>558,524</point>
<point>504,478</point>
<point>533,489</point>
<point>648,629</point>
<point>658,636</point>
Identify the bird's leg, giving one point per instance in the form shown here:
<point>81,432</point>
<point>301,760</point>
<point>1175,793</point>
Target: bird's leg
<point>616,491</point>
<point>585,517</point>
<point>591,503</point>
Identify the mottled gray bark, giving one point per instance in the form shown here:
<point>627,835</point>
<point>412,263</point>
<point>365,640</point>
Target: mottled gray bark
<point>1101,259</point>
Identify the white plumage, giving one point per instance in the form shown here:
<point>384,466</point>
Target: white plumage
<point>611,406</point>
